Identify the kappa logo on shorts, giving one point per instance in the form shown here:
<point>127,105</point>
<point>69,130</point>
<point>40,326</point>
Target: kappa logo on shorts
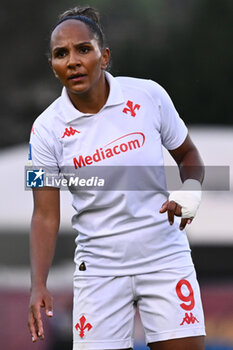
<point>189,319</point>
<point>82,326</point>
<point>131,108</point>
<point>70,132</point>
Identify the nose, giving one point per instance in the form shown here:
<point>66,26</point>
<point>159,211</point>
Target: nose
<point>74,60</point>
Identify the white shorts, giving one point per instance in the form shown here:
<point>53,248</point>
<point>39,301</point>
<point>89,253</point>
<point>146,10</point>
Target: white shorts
<point>169,305</point>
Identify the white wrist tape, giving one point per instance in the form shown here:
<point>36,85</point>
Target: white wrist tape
<point>188,197</point>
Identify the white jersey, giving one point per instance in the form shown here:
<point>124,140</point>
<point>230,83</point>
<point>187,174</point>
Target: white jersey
<point>119,231</point>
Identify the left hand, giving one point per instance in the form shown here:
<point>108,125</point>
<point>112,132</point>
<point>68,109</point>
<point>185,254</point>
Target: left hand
<point>172,208</point>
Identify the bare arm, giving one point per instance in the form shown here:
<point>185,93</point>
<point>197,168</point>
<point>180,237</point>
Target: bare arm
<point>44,229</point>
<point>191,167</point>
<point>189,161</point>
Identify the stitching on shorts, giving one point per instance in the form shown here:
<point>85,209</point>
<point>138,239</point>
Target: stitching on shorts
<point>132,279</point>
<point>176,331</point>
<point>103,341</point>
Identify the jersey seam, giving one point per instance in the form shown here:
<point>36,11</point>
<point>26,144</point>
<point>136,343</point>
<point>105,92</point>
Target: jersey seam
<point>136,273</point>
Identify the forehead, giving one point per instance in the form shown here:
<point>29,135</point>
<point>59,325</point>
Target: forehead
<point>70,30</point>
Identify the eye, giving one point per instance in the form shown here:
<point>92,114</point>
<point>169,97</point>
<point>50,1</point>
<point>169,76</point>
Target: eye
<point>60,53</point>
<point>84,49</point>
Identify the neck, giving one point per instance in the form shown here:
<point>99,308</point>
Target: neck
<point>93,100</point>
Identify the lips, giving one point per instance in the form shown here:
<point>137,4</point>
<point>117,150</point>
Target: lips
<point>76,76</point>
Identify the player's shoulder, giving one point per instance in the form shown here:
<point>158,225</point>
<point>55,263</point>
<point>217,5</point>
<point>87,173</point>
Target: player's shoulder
<point>47,118</point>
<point>135,83</point>
<point>152,88</point>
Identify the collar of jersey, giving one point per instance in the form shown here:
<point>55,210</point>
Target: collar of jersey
<point>115,97</point>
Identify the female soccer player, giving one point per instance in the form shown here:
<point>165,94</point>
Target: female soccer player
<point>132,250</point>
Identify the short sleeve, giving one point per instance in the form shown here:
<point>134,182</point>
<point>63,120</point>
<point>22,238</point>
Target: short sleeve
<point>42,154</point>
<point>172,128</point>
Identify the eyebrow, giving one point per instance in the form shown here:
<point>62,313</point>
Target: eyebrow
<point>79,44</point>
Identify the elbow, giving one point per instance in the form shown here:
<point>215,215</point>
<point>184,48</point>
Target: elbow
<point>45,221</point>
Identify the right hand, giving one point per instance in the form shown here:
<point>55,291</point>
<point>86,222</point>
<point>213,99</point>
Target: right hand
<point>40,298</point>
<point>174,209</point>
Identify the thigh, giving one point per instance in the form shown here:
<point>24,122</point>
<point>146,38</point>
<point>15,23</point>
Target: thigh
<point>191,343</point>
<point>170,305</point>
<point>103,313</point>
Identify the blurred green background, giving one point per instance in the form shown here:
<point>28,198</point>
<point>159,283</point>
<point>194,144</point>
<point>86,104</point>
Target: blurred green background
<point>185,45</point>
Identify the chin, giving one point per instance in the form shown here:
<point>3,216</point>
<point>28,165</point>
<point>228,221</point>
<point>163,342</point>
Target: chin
<point>78,90</point>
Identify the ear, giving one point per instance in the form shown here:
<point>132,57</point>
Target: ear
<point>105,58</point>
<point>51,66</point>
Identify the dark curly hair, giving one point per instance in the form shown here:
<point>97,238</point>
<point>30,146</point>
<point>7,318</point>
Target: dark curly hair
<point>88,15</point>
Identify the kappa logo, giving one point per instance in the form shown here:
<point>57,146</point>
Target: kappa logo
<point>70,132</point>
<point>82,326</point>
<point>131,108</point>
<point>189,319</point>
